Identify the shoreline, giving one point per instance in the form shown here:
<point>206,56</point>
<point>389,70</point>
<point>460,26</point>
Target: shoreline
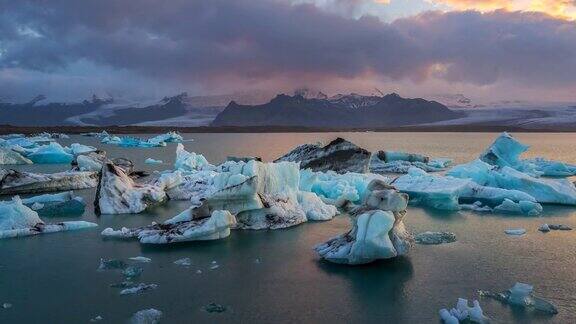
<point>9,129</point>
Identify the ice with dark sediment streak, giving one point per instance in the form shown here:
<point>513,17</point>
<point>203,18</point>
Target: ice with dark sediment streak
<point>521,295</point>
<point>18,182</point>
<point>8,156</point>
<point>340,156</point>
<point>117,193</point>
<point>138,289</point>
<point>16,220</point>
<point>60,204</point>
<point>451,193</point>
<point>506,151</point>
<point>182,228</point>
<point>377,232</point>
<point>543,190</point>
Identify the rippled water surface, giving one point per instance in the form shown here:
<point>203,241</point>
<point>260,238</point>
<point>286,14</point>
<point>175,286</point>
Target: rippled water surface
<point>275,276</point>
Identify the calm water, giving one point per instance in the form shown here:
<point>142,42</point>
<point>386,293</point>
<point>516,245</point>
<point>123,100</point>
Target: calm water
<point>52,278</point>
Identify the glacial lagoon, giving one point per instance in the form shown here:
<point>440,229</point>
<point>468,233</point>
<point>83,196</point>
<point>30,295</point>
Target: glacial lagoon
<point>275,276</point>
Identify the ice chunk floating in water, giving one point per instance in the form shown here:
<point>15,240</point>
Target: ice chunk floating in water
<point>377,229</point>
<point>146,316</point>
<point>464,313</point>
<point>18,220</point>
<point>60,204</point>
<point>17,182</point>
<point>521,295</point>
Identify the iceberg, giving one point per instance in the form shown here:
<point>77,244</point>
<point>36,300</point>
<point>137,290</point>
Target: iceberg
<point>17,182</point>
<point>451,193</point>
<point>9,156</point>
<point>182,228</point>
<point>17,220</point>
<point>377,232</point>
<point>515,231</point>
<point>521,295</point>
<point>314,208</point>
<point>261,195</point>
<point>60,204</point>
<point>146,316</point>
<point>170,137</point>
<point>190,161</point>
<point>551,191</point>
<point>464,313</point>
<point>117,193</point>
<point>130,141</point>
<point>140,288</point>
<point>52,153</point>
<point>92,161</point>
<point>77,149</point>
<point>193,186</point>
<point>506,151</point>
<point>434,238</point>
<point>339,156</point>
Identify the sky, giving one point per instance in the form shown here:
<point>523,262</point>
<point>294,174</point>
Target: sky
<point>485,49</point>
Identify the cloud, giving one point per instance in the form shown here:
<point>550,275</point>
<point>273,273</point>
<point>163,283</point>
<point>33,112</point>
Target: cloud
<point>217,44</point>
<point>565,9</point>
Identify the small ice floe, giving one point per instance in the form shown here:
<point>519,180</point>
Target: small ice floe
<point>132,271</point>
<point>515,231</point>
<point>214,308</point>
<point>554,227</point>
<point>214,266</point>
<point>463,312</point>
<point>111,264</point>
<point>186,262</point>
<point>153,161</point>
<point>257,261</point>
<point>521,295</point>
<point>146,316</point>
<point>140,288</point>
<point>141,259</point>
<point>19,182</point>
<point>198,271</point>
<point>96,319</point>
<point>430,238</point>
<point>6,305</point>
<point>123,284</point>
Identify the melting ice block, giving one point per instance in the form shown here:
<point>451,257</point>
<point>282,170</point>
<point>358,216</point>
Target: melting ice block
<point>464,313</point>
<point>377,229</point>
<point>146,316</point>
<point>521,295</point>
<point>16,220</point>
<point>152,161</point>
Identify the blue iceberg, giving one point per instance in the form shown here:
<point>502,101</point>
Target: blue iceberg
<point>52,153</point>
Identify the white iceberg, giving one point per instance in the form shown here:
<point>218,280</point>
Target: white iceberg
<point>146,316</point>
<point>90,162</point>
<point>117,193</point>
<point>377,229</point>
<point>464,313</point>
<point>401,162</point>
<point>77,149</point>
<point>140,288</point>
<point>314,208</point>
<point>18,220</point>
<point>170,137</point>
<point>17,182</point>
<point>515,231</point>
<point>190,161</point>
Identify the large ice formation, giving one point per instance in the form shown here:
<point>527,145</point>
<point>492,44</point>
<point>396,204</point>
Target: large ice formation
<point>16,182</point>
<point>190,161</point>
<point>377,232</point>
<point>117,193</point>
<point>52,153</point>
<point>339,155</point>
<point>9,156</point>
<point>451,193</point>
<point>506,151</point>
<point>16,220</point>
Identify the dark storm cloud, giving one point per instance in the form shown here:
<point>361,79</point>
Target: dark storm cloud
<point>198,41</point>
